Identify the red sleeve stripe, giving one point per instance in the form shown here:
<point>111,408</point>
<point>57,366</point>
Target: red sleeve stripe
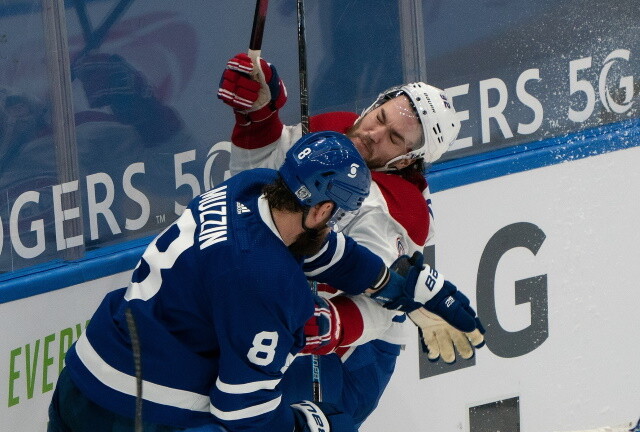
<point>351,319</point>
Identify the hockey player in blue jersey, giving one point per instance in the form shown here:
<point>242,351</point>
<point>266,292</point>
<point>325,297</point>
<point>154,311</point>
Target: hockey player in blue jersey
<point>217,306</point>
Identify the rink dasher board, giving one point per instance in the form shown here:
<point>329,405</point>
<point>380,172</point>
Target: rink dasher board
<point>581,372</point>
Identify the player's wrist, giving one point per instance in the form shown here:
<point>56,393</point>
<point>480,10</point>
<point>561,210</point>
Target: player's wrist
<point>393,294</point>
<point>256,135</point>
<point>245,118</point>
<point>380,282</point>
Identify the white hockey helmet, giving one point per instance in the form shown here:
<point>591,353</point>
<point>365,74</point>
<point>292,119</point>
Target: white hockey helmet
<point>440,125</point>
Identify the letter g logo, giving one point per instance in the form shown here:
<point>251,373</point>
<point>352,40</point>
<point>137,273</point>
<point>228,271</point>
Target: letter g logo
<point>626,83</point>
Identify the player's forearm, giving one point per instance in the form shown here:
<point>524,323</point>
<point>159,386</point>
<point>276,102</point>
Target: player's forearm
<point>251,135</point>
<point>266,152</point>
<point>345,321</point>
<point>347,266</point>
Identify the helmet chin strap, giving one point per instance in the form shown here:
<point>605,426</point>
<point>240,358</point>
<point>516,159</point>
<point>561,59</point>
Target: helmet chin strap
<point>305,213</point>
<point>388,167</point>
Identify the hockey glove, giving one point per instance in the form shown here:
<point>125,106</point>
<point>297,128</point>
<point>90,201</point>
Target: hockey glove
<point>404,275</point>
<point>321,417</point>
<point>108,79</point>
<point>414,284</point>
<point>323,331</point>
<point>254,93</point>
<point>454,307</point>
<point>441,340</point>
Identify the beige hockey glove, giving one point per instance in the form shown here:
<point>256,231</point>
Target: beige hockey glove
<point>443,340</point>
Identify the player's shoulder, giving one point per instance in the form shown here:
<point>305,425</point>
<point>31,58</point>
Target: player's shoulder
<point>248,178</point>
<point>404,201</point>
<point>244,187</point>
<point>338,121</point>
<point>397,190</point>
<point>226,217</point>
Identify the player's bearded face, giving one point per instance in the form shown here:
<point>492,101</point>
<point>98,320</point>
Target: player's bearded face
<point>390,130</point>
<point>309,242</point>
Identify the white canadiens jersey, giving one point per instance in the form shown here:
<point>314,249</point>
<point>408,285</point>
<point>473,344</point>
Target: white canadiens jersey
<point>395,218</point>
<point>220,305</point>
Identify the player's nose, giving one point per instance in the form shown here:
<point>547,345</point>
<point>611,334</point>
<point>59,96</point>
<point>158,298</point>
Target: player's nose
<point>379,134</point>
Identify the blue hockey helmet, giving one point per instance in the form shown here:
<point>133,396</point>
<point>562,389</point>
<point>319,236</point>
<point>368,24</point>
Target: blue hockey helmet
<point>326,166</point>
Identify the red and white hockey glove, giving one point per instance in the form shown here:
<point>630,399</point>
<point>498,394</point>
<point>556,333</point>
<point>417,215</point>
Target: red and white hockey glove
<point>254,93</point>
<point>323,331</point>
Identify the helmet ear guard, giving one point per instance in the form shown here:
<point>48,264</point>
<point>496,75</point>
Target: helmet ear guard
<point>326,166</point>
<point>440,124</point>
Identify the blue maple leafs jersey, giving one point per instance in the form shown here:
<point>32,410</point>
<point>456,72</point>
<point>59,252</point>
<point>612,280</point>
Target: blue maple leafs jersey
<point>219,304</point>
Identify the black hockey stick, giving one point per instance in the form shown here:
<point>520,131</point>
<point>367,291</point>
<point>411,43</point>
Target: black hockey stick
<point>259,18</point>
<point>137,363</point>
<point>302,68</point>
<point>255,43</point>
<point>304,120</point>
<point>94,38</point>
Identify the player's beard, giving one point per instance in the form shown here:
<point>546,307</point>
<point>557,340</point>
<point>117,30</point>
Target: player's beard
<point>309,242</point>
<point>364,145</point>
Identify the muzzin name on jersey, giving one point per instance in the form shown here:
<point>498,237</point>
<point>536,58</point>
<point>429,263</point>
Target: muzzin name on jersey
<point>213,217</point>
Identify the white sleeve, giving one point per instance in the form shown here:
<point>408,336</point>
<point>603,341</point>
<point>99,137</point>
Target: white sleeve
<point>375,229</point>
<point>269,156</point>
<point>432,229</point>
<point>378,323</point>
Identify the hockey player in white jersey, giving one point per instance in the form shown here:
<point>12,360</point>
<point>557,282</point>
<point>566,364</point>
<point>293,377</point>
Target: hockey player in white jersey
<point>406,127</point>
<point>218,305</point>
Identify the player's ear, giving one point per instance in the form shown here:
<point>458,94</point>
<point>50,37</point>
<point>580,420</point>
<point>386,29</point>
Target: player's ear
<point>403,163</point>
<point>321,212</point>
<point>326,209</point>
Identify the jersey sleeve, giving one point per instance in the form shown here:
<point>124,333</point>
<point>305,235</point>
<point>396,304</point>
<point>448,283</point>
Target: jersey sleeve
<point>426,193</point>
<point>265,153</point>
<point>363,319</point>
<point>386,225</point>
<point>259,323</point>
<point>346,265</point>
<point>250,135</point>
<point>375,231</point>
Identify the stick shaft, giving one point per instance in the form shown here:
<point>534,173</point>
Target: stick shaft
<point>304,120</point>
<point>315,361</point>
<point>137,361</point>
<point>302,67</point>
<point>95,38</point>
<point>257,30</point>
<point>98,35</point>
